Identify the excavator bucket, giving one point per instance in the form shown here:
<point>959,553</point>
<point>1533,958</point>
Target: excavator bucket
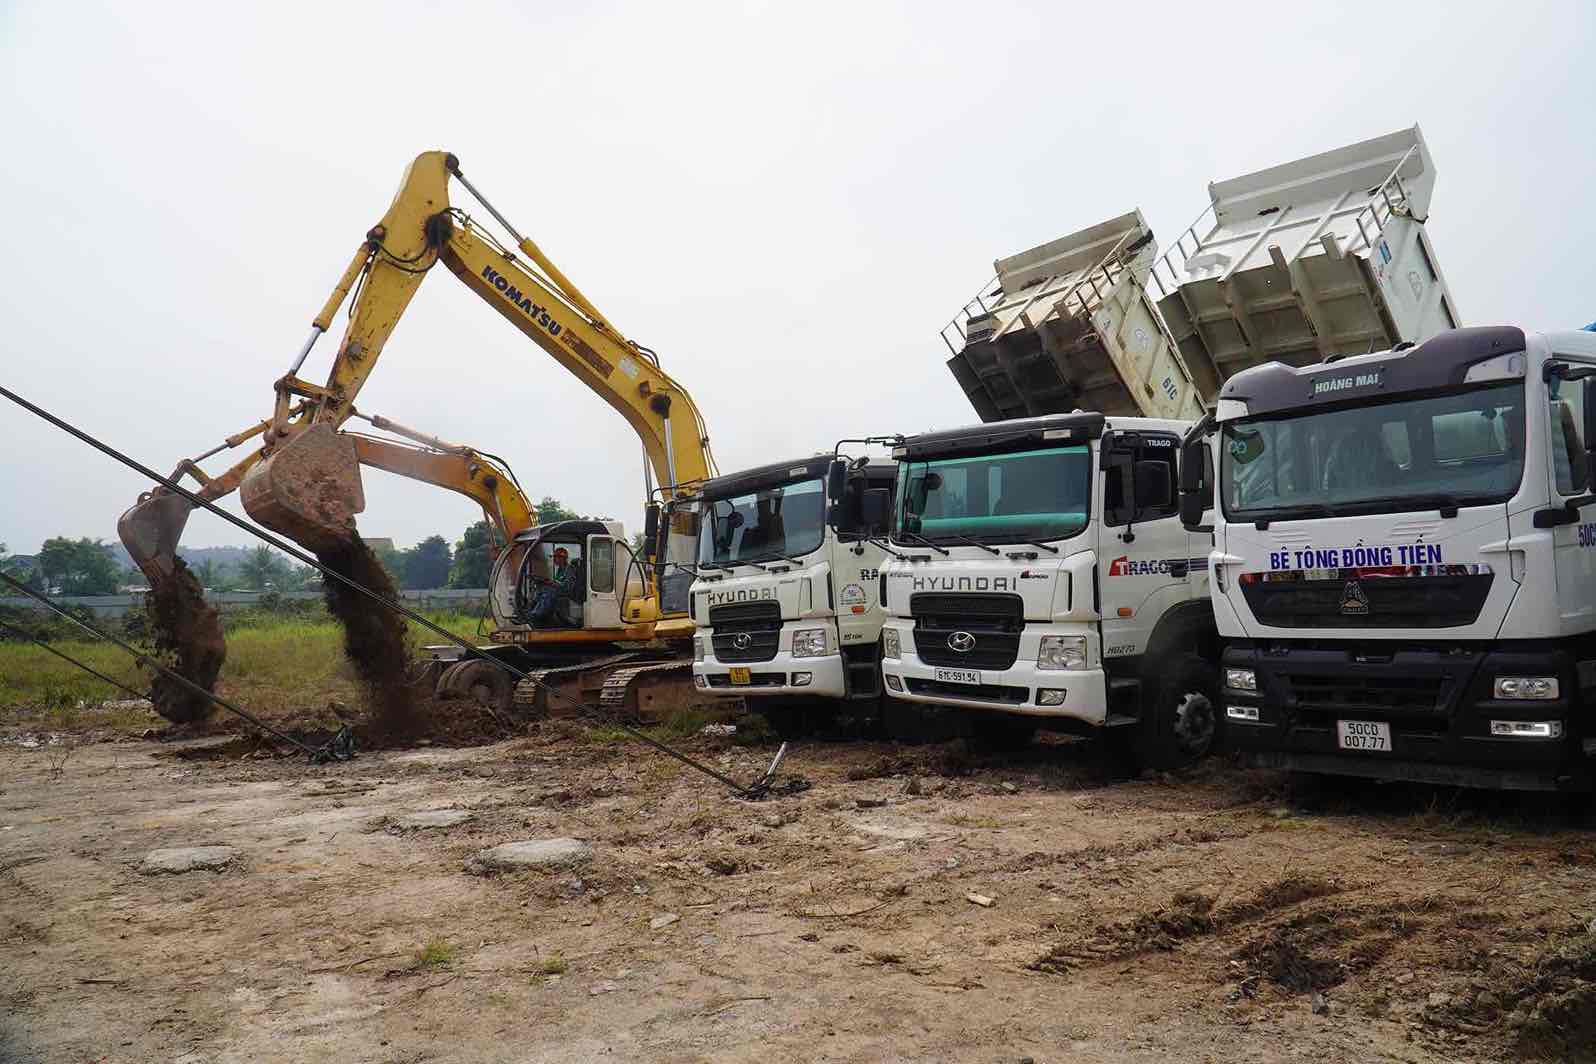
<point>150,530</point>
<point>309,490</point>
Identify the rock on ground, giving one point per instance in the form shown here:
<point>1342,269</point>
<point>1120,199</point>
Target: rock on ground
<point>187,859</point>
<point>533,853</point>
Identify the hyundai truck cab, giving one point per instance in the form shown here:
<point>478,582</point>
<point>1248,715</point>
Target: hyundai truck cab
<point>1404,561</point>
<point>786,600</point>
<point>1042,577</point>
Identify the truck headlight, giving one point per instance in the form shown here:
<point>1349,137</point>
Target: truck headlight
<point>809,643</point>
<point>1539,688</point>
<point>890,647</point>
<point>1241,679</point>
<point>698,648</point>
<point>1061,652</point>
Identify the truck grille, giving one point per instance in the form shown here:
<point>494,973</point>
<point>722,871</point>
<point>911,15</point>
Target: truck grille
<point>755,625</point>
<point>995,622</point>
<point>1380,694</point>
<point>1388,601</point>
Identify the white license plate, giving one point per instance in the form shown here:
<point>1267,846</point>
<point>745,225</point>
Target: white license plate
<point>958,676</point>
<point>1367,736</point>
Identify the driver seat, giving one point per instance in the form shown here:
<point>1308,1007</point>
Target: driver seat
<point>569,610</point>
<point>1358,459</point>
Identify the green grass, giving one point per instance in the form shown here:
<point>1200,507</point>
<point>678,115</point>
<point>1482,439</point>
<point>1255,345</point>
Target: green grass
<point>437,953</point>
<point>274,665</point>
<point>555,965</point>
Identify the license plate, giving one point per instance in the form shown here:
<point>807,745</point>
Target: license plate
<point>958,676</point>
<point>741,676</point>
<point>1367,736</point>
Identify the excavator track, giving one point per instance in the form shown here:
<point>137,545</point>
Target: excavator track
<point>649,691</point>
<point>531,696</point>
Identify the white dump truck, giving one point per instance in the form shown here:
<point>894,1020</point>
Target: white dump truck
<point>1042,578</point>
<point>1318,257</point>
<point>1404,560</point>
<point>1068,325</point>
<point>785,601</point>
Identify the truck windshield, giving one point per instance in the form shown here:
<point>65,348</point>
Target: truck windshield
<point>995,498</point>
<point>1463,448</point>
<point>788,519</point>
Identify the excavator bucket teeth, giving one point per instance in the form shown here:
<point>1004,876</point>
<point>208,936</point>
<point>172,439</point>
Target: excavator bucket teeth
<point>309,490</point>
<point>150,530</point>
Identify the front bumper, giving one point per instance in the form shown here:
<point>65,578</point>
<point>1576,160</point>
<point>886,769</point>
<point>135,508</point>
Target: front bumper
<point>1010,690</point>
<point>774,677</point>
<point>1436,699</point>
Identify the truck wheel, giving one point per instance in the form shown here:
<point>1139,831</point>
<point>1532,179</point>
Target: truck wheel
<point>1183,723</point>
<point>1003,731</point>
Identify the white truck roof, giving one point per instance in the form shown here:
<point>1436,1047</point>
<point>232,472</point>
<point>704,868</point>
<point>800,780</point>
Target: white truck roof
<point>1325,255</point>
<point>1068,325</point>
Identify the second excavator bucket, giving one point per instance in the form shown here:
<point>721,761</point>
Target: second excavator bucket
<point>309,490</point>
<point>150,530</point>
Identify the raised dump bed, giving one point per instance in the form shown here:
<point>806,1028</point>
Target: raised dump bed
<point>1069,326</point>
<point>1321,256</point>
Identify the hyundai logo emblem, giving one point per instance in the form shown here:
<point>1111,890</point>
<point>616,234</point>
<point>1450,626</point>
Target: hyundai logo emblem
<point>961,642</point>
<point>742,640</point>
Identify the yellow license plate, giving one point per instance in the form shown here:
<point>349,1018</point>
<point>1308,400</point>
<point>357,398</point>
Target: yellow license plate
<point>741,676</point>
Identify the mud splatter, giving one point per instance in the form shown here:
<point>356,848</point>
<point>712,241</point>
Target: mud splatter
<point>375,637</point>
<point>188,639</point>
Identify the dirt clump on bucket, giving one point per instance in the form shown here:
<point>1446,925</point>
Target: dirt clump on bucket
<point>375,637</point>
<point>188,640</point>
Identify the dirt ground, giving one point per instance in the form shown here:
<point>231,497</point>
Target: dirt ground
<point>1222,916</point>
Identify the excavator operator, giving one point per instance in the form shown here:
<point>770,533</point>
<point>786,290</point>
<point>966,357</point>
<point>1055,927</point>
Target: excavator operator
<point>562,584</point>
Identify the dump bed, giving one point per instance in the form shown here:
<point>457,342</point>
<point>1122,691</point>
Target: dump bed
<point>1068,325</point>
<point>1322,256</point>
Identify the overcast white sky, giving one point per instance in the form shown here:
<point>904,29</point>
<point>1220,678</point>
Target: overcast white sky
<point>785,200</point>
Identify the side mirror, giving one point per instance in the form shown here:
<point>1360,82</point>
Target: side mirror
<point>1191,465</point>
<point>1192,507</point>
<point>651,530</point>
<point>836,480</point>
<point>875,508</point>
<point>1154,488</point>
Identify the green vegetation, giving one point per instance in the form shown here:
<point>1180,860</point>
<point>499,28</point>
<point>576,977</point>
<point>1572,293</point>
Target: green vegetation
<point>554,965</point>
<point>277,662</point>
<point>437,953</point>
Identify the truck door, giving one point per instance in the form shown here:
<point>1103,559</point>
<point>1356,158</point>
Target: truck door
<point>1573,544</point>
<point>1142,547</point>
<point>603,609</point>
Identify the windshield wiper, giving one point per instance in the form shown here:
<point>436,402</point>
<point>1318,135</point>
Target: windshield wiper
<point>1286,513</point>
<point>1439,500</point>
<point>925,542</point>
<point>974,543</point>
<point>1044,546</point>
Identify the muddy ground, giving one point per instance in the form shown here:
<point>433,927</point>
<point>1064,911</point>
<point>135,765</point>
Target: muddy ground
<point>1221,916</point>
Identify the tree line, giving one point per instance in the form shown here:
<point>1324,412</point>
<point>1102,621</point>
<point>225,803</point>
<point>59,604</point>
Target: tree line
<point>84,566</point>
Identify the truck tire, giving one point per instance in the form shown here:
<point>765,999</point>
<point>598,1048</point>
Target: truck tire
<point>1181,714</point>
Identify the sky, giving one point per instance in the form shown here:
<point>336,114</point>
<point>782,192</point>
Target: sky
<point>786,201</point>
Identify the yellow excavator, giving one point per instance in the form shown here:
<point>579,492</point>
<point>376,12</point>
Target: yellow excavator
<point>623,634</point>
